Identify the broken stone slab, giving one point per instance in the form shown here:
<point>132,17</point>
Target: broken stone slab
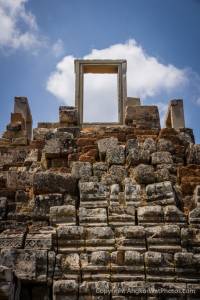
<point>159,266</point>
<point>65,290</point>
<point>81,170</point>
<point>99,238</point>
<point>150,215</point>
<point>193,154</point>
<point>70,239</point>
<point>115,156</point>
<point>187,267</point>
<point>131,238</point>
<point>67,266</point>
<point>93,194</point>
<point>12,238</point>
<point>43,203</point>
<point>93,216</point>
<point>65,214</point>
<point>95,266</point>
<point>165,238</point>
<point>49,182</point>
<point>119,216</point>
<point>143,174</point>
<point>161,157</point>
<point>106,144</point>
<point>173,215</point>
<point>160,193</point>
<point>127,266</point>
<point>190,239</point>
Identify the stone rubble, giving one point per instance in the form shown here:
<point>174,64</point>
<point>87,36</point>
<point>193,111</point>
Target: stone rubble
<point>109,212</point>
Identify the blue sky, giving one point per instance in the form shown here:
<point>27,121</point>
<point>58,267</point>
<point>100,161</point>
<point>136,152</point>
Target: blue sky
<point>40,39</point>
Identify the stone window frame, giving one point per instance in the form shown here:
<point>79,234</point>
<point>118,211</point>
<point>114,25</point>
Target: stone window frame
<point>99,66</point>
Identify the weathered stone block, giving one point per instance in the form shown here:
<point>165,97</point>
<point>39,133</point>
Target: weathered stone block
<point>93,194</point>
<point>132,193</point>
<point>67,266</point>
<point>19,179</point>
<point>131,145</point>
<point>65,214</point>
<point>160,193</point>
<point>93,216</point>
<point>150,145</point>
<point>196,196</point>
<point>194,217</point>
<point>150,215</point>
<point>131,238</point>
<point>193,156</point>
<point>127,266</point>
<point>81,170</point>
<point>162,157</point>
<point>68,115</point>
<point>173,215</point>
<point>99,238</point>
<point>49,182</point>
<point>65,290</point>
<point>70,238</point>
<point>115,155</point>
<point>138,156</point>
<point>190,239</point>
<point>165,238</point>
<point>119,216</point>
<point>159,266</point>
<point>43,203</point>
<point>12,238</point>
<point>28,265</point>
<point>142,117</point>
<point>3,207</point>
<point>187,266</point>
<point>105,144</point>
<point>99,169</point>
<point>43,238</point>
<point>143,174</point>
<point>95,266</point>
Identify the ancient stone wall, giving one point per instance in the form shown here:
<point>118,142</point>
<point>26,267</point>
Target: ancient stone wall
<point>106,212</point>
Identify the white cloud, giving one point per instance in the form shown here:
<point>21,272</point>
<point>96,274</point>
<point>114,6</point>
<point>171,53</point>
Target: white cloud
<point>58,48</point>
<point>146,78</point>
<point>18,27</point>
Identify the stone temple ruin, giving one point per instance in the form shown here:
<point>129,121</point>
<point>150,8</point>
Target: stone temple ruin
<point>100,211</point>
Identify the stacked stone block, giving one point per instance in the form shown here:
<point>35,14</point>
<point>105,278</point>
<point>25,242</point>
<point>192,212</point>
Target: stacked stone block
<point>100,214</point>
